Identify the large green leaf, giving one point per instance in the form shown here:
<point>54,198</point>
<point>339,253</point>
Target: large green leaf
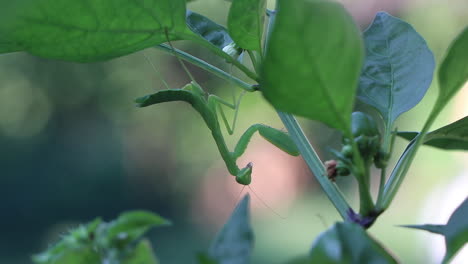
<point>87,31</point>
<point>398,67</point>
<point>233,244</point>
<point>455,231</point>
<point>245,23</point>
<point>347,243</point>
<point>453,71</point>
<point>313,62</point>
<point>208,29</point>
<point>449,137</point>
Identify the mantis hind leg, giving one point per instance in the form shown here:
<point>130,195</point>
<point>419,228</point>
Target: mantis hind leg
<point>277,137</point>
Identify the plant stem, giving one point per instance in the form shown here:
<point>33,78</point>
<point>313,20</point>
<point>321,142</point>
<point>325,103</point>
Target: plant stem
<point>254,60</point>
<point>206,66</point>
<point>381,185</point>
<point>361,173</point>
<point>315,164</point>
<point>214,49</point>
<point>305,148</point>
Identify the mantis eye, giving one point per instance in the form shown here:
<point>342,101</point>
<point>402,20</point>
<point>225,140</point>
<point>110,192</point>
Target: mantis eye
<point>244,177</point>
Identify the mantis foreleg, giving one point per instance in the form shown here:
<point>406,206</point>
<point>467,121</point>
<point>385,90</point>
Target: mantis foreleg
<point>216,103</point>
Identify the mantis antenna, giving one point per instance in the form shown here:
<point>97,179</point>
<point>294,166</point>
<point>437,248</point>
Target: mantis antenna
<point>160,77</point>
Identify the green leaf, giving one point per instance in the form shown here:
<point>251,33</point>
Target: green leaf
<point>77,255</point>
<point>453,72</point>
<point>86,31</point>
<point>141,254</point>
<point>245,23</point>
<point>233,244</point>
<point>207,29</point>
<point>449,137</point>
<point>398,67</point>
<point>204,258</point>
<point>348,243</point>
<point>455,231</point>
<point>301,260</point>
<point>313,62</point>
<point>75,247</point>
<point>132,225</point>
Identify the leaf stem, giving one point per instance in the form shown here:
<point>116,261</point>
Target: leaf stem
<point>401,168</point>
<point>254,60</point>
<point>315,164</point>
<point>206,66</point>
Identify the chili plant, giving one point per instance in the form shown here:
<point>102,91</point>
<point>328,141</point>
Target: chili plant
<point>307,58</point>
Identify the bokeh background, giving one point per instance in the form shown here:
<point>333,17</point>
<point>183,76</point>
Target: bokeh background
<point>73,146</point>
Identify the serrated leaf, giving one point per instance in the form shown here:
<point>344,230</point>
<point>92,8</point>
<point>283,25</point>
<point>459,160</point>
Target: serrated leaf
<point>348,243</point>
<point>313,62</point>
<point>234,243</point>
<point>141,254</point>
<point>453,72</point>
<point>86,31</point>
<point>75,247</point>
<point>455,231</point>
<point>208,29</point>
<point>245,23</point>
<point>398,68</point>
<point>78,255</point>
<point>130,226</point>
<point>450,137</point>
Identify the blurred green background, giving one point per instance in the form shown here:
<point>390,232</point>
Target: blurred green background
<point>73,147</point>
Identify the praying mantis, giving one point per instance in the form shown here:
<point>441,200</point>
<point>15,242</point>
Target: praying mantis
<point>207,106</point>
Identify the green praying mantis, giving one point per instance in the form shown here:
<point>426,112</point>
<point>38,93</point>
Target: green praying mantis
<point>207,106</point>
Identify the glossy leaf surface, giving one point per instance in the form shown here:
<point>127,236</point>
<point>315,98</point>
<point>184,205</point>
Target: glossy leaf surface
<point>455,231</point>
<point>312,43</point>
<point>234,243</point>
<point>208,29</point>
<point>86,31</point>
<point>450,137</point>
<point>453,71</point>
<point>398,68</point>
<point>348,243</point>
<point>246,21</point>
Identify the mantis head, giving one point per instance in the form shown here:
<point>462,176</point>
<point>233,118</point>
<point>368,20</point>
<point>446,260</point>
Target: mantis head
<point>244,176</point>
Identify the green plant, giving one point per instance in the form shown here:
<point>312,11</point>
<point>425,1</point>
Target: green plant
<point>317,75</point>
